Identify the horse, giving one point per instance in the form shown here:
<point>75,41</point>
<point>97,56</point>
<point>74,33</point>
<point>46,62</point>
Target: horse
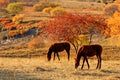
<point>58,47</point>
<point>89,51</point>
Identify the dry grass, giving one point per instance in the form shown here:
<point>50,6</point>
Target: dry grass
<point>38,68</point>
<point>25,52</point>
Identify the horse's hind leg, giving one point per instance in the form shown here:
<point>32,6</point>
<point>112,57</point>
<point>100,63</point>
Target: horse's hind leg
<point>99,62</point>
<point>68,52</point>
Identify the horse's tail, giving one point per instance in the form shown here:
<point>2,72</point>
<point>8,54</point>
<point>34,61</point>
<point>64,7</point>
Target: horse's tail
<point>100,50</point>
<point>67,48</point>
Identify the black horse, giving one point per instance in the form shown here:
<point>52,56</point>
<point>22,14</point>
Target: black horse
<point>58,47</point>
<point>89,51</point>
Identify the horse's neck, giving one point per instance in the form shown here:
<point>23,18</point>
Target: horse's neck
<point>50,51</point>
<point>79,57</point>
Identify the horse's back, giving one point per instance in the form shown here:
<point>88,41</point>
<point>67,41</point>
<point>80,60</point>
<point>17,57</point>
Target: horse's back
<point>66,45</point>
<point>97,48</point>
<point>91,50</point>
<point>63,44</point>
<point>60,46</point>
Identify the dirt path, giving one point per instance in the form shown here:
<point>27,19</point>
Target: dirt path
<point>41,69</point>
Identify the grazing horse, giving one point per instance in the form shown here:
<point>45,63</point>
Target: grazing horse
<point>58,47</point>
<point>89,51</point>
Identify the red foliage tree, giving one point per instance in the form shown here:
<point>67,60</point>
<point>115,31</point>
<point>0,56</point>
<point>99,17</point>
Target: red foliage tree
<point>67,27</point>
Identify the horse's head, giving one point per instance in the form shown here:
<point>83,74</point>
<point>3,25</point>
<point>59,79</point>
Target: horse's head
<point>77,60</point>
<point>49,54</point>
<point>76,63</point>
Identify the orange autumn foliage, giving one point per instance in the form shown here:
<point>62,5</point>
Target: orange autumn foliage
<point>114,23</point>
<point>4,1</point>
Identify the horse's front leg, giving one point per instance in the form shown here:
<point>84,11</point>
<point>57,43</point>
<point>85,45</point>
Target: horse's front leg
<point>58,56</point>
<point>83,63</point>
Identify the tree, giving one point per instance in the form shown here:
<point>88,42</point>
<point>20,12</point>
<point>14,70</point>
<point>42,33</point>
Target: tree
<point>57,11</point>
<point>18,18</point>
<point>68,27</point>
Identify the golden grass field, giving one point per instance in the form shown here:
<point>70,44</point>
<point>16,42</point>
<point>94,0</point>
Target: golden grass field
<point>38,68</point>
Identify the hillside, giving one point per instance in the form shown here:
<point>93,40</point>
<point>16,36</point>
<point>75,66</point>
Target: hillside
<point>33,18</point>
<point>70,6</point>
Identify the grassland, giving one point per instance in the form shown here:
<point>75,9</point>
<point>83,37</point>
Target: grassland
<point>38,68</point>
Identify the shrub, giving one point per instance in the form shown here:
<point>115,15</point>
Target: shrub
<point>53,5</point>
<point>12,33</point>
<point>23,31</point>
<point>36,43</point>
<point>38,7</point>
<point>110,9</point>
<point>15,8</point>
<point>18,18</point>
<point>57,11</point>
<point>42,5</point>
<point>10,25</point>
<point>83,39</point>
<point>47,10</point>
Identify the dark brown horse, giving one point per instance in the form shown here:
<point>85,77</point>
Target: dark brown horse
<point>58,47</point>
<point>89,51</point>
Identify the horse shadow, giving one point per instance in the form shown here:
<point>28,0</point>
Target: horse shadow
<point>110,72</point>
<point>97,73</point>
<point>41,69</point>
<point>16,75</point>
<point>118,77</point>
<point>88,73</point>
